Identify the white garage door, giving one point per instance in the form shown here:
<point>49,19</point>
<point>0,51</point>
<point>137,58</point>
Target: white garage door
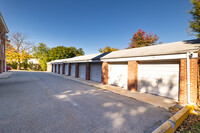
<point>95,72</point>
<point>159,79</point>
<point>82,70</point>
<point>117,75</point>
<point>61,68</point>
<point>56,68</point>
<point>66,69</point>
<point>73,70</point>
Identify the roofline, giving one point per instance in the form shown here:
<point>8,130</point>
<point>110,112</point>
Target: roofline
<point>4,24</point>
<point>104,58</point>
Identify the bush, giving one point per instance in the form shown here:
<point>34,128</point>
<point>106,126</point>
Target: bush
<point>12,64</point>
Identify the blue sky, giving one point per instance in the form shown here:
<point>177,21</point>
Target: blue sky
<point>94,24</point>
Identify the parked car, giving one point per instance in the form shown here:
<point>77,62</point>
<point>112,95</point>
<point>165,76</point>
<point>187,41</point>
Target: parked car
<point>8,68</point>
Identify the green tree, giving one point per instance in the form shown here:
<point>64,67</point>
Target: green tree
<point>19,48</point>
<point>61,52</point>
<point>194,24</point>
<point>41,52</point>
<point>107,49</point>
<point>141,39</point>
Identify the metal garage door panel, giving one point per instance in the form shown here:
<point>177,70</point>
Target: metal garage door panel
<point>95,72</point>
<point>66,69</point>
<point>61,68</point>
<point>160,79</point>
<point>118,75</point>
<point>73,70</point>
<point>82,70</point>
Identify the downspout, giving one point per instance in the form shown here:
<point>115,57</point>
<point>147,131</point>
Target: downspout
<point>189,55</point>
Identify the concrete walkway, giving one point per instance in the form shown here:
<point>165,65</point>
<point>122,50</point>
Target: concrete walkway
<point>6,74</point>
<point>157,101</point>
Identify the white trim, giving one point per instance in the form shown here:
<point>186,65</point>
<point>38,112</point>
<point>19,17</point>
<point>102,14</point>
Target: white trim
<point>4,23</point>
<point>161,57</point>
<point>82,61</point>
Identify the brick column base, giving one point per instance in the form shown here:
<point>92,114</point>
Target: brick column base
<point>58,68</point>
<point>132,75</point>
<point>77,70</point>
<point>105,73</point>
<point>87,75</point>
<point>63,68</point>
<point>193,80</point>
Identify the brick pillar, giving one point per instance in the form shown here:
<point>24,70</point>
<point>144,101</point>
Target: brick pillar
<point>0,65</point>
<point>132,75</point>
<point>58,68</point>
<point>55,68</point>
<point>63,68</point>
<point>77,70</point>
<point>183,81</point>
<point>52,68</point>
<point>193,80</point>
<point>87,76</point>
<point>69,69</point>
<point>3,65</point>
<point>105,72</point>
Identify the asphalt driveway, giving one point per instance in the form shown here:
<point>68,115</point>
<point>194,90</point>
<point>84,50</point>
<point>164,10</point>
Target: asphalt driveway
<point>38,102</point>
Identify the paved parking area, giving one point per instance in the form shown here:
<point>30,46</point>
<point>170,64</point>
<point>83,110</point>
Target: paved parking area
<point>40,102</point>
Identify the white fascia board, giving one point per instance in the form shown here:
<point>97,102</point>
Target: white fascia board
<point>4,24</point>
<point>161,57</point>
<point>82,61</point>
<point>56,63</point>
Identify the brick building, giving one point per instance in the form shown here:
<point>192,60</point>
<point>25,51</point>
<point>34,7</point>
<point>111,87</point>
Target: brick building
<point>169,70</point>
<point>3,31</point>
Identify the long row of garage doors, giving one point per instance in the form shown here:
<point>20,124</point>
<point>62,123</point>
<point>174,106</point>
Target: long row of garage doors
<point>95,70</point>
<point>155,78</point>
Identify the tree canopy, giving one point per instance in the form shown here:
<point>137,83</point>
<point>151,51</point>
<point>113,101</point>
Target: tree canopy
<point>141,39</point>
<point>46,54</point>
<point>107,49</point>
<point>41,52</point>
<point>18,49</point>
<point>194,24</point>
<point>61,52</point>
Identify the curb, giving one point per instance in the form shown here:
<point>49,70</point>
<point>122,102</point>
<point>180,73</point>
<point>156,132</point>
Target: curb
<point>175,121</point>
<point>6,75</point>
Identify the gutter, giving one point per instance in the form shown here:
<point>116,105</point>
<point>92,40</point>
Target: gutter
<point>189,55</point>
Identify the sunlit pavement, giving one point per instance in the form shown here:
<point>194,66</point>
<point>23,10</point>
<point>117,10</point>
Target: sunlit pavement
<point>34,102</point>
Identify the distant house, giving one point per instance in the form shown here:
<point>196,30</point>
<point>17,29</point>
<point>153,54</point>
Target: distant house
<point>34,61</point>
<point>168,70</point>
<point>3,32</point>
<point>34,64</point>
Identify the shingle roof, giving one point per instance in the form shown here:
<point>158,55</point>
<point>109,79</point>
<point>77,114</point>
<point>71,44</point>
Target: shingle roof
<point>162,49</point>
<point>92,57</point>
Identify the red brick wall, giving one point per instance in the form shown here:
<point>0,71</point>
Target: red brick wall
<point>105,73</point>
<point>69,69</point>
<point>193,80</point>
<point>2,54</point>
<point>63,68</point>
<point>132,75</point>
<point>58,68</point>
<point>183,81</point>
<point>77,70</point>
<point>87,76</point>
